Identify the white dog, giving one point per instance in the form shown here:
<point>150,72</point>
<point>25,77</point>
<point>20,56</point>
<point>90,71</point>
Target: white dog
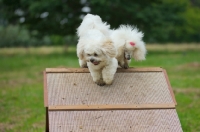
<point>96,51</point>
<point>128,41</point>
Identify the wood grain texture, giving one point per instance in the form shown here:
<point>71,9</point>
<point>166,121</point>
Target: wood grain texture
<point>45,89</point>
<point>169,86</point>
<point>127,88</point>
<point>112,107</point>
<point>154,120</point>
<point>85,70</point>
<point>47,120</point>
<point>140,99</point>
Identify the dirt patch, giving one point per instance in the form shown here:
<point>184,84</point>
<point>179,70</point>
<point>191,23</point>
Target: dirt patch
<point>38,125</point>
<point>3,127</point>
<point>18,79</point>
<point>173,47</point>
<point>195,65</point>
<point>45,50</point>
<point>187,90</point>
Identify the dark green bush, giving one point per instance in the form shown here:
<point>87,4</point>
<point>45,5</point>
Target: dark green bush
<point>16,36</point>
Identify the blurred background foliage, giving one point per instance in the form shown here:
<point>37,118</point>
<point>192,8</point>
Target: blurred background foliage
<point>54,22</point>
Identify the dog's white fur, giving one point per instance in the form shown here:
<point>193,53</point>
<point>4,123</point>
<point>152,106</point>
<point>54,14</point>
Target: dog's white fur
<point>96,51</point>
<point>121,38</point>
<point>93,22</point>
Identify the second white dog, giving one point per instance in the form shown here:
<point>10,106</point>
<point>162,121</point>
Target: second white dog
<point>128,42</point>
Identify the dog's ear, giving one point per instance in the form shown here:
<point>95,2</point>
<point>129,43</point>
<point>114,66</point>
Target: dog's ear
<point>80,49</point>
<point>140,52</point>
<point>109,49</point>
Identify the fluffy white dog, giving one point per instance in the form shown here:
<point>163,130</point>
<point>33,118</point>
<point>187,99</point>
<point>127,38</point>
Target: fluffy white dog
<point>128,41</point>
<point>96,51</point>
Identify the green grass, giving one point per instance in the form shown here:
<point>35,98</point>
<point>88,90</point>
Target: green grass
<point>21,83</point>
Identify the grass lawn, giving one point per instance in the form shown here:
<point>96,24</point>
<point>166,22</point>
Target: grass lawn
<point>21,82</point>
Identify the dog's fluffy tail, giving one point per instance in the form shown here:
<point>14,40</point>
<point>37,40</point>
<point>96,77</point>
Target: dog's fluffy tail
<point>130,32</point>
<point>92,22</point>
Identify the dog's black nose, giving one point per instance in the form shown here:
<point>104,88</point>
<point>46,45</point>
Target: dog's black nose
<point>128,57</point>
<point>92,60</point>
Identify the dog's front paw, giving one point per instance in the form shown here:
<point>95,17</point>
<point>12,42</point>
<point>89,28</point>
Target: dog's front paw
<point>125,66</point>
<point>100,83</point>
<point>121,64</point>
<point>84,66</point>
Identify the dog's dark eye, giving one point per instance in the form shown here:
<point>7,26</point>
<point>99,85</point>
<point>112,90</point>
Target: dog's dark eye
<point>89,54</point>
<point>95,54</point>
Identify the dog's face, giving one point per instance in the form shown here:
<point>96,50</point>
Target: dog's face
<point>135,49</point>
<point>128,49</point>
<point>94,55</point>
<point>96,52</point>
<point>127,54</point>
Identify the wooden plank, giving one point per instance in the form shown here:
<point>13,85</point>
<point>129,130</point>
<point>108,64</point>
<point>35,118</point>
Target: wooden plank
<point>45,89</point>
<point>67,70</point>
<point>151,120</point>
<point>85,70</point>
<point>47,120</point>
<point>112,107</point>
<point>169,86</point>
<point>144,69</point>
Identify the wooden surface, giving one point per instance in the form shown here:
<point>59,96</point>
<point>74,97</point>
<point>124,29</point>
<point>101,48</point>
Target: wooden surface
<point>112,107</point>
<point>85,70</point>
<point>153,120</point>
<point>127,88</point>
<point>47,120</point>
<point>169,86</point>
<point>45,89</point>
<point>140,99</point>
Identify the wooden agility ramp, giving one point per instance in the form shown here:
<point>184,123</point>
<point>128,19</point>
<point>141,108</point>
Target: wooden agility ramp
<point>139,100</point>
